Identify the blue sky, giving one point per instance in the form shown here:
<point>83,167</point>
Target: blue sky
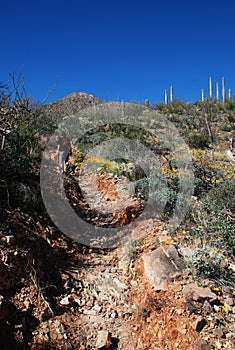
<point>118,50</point>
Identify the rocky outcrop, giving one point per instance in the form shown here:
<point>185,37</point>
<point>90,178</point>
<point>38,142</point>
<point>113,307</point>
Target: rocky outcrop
<point>70,105</point>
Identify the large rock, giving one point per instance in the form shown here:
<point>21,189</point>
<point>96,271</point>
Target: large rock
<point>200,294</point>
<point>161,264</point>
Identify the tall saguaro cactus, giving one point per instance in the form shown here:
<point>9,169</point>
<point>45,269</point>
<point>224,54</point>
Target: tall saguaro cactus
<point>171,94</point>
<point>203,95</point>
<point>166,98</point>
<point>210,88</point>
<point>229,95</point>
<point>223,90</point>
<point>217,92</point>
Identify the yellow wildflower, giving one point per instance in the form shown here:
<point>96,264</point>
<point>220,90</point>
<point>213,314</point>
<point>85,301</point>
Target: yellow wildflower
<point>170,242</point>
<point>224,308</point>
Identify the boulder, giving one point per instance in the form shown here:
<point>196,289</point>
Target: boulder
<point>161,264</point>
<point>196,293</point>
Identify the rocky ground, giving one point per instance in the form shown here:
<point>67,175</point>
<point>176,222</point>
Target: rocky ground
<point>58,294</point>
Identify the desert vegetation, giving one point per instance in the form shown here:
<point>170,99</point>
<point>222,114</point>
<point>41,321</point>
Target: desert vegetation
<point>30,242</point>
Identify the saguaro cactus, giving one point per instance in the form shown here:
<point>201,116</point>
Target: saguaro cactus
<point>166,98</point>
<point>223,90</point>
<point>210,88</point>
<point>217,92</point>
<point>171,94</point>
<point>229,95</point>
<point>203,95</point>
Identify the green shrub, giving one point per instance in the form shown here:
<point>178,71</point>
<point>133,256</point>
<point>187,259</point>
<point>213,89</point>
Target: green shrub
<point>225,127</point>
<point>198,139</point>
<point>206,263</point>
<point>223,196</point>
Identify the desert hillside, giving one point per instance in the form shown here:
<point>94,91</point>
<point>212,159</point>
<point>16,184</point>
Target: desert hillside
<point>162,288</point>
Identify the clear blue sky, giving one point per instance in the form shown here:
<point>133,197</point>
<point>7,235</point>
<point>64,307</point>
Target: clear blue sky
<point>118,50</point>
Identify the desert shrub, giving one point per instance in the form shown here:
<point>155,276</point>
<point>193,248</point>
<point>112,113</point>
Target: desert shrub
<point>178,107</point>
<point>133,249</point>
<point>22,122</point>
<point>211,167</point>
<point>229,105</point>
<point>198,139</point>
<point>207,263</point>
<point>223,196</point>
<point>225,127</point>
<point>213,225</point>
<point>21,126</point>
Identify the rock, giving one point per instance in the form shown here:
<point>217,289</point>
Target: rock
<point>203,344</point>
<point>123,265</point>
<point>186,252</point>
<point>10,239</point>
<point>103,340</point>
<point>114,314</point>
<point>219,332</point>
<point>97,308</point>
<point>120,285</point>
<point>134,283</point>
<point>89,312</point>
<point>219,344</point>
<point>231,301</point>
<point>216,308</point>
<point>199,324</point>
<point>164,238</point>
<point>66,300</point>
<point>207,307</point>
<point>200,294</point>
<point>160,264</point>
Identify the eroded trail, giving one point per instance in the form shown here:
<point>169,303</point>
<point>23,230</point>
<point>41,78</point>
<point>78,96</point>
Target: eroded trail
<point>96,306</point>
<point>98,309</point>
<point>77,297</point>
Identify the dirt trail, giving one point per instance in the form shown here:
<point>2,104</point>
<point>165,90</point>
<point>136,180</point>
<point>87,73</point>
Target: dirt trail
<point>76,297</point>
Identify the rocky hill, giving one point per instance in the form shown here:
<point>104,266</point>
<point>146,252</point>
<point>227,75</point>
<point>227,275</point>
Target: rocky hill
<point>70,104</point>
